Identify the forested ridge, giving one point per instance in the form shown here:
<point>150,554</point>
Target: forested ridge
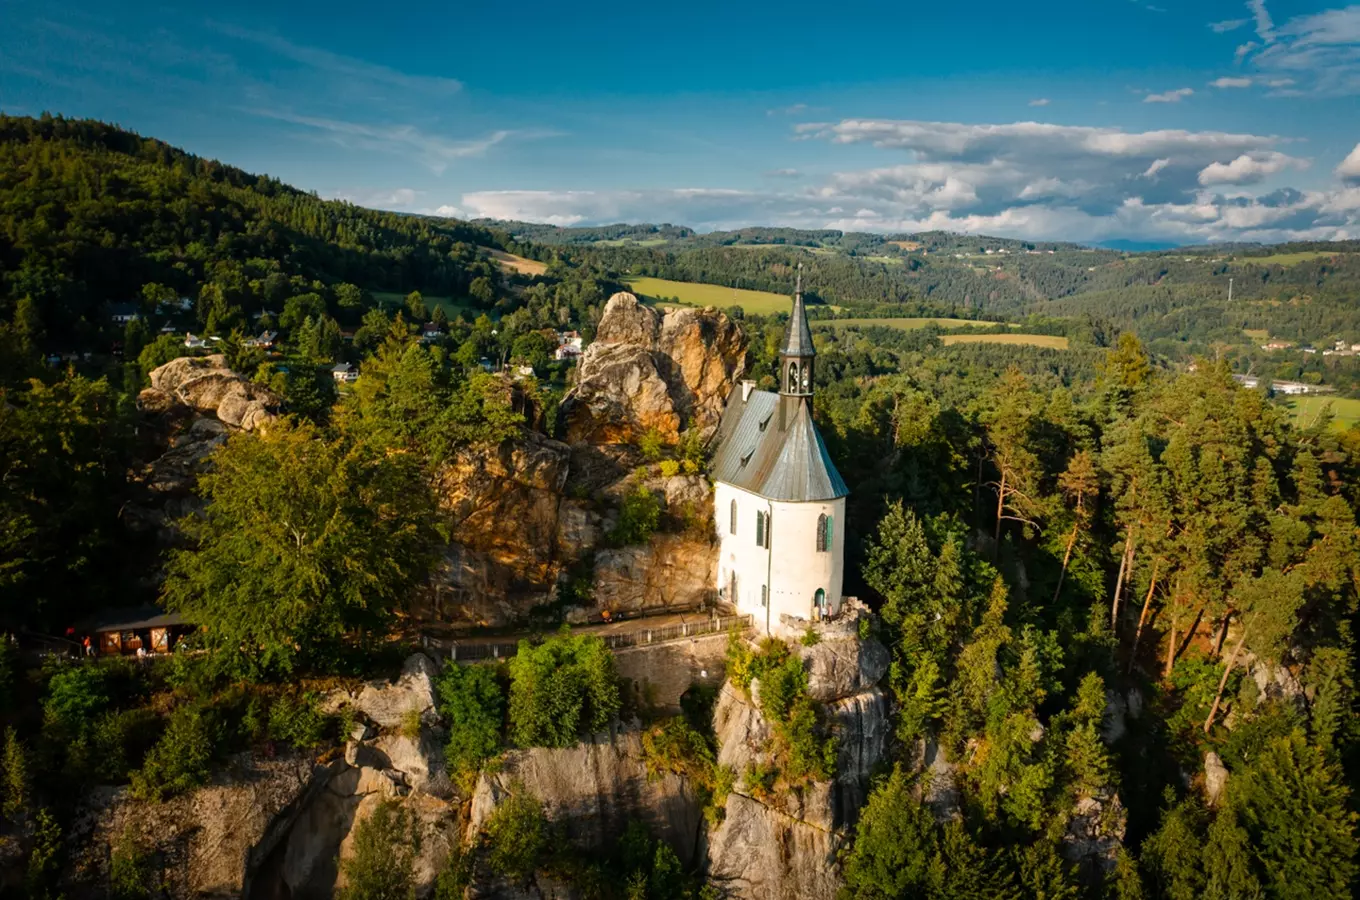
<point>1119,595</point>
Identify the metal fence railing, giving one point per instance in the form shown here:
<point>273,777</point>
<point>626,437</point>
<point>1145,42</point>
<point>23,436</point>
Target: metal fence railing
<point>642,635</point>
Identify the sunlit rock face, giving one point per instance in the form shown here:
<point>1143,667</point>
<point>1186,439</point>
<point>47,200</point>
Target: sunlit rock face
<point>651,371</point>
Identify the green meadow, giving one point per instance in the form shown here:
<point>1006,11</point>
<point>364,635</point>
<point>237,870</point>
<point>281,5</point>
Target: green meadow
<point>762,303</point>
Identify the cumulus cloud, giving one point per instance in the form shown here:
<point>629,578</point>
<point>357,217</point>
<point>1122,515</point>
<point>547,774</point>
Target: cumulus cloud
<point>1349,170</point>
<point>1231,82</point>
<point>1175,96</point>
<point>1022,179</point>
<point>1040,101</point>
<point>1250,168</point>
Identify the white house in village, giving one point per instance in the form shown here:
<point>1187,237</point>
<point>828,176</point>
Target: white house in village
<point>779,503</point>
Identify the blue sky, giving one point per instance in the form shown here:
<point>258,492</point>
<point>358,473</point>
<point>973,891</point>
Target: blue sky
<point>1102,119</point>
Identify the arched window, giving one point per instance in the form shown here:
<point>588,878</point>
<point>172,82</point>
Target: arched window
<point>732,522</point>
<point>823,533</point>
<point>793,378</point>
<point>764,595</point>
<point>760,529</point>
<point>807,373</point>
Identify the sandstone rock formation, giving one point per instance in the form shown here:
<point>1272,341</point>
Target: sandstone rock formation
<point>192,406</point>
<point>646,370</point>
<point>669,571</point>
<point>1215,778</point>
<point>787,845</point>
<point>279,827</point>
<point>1095,835</point>
<point>592,790</point>
<point>205,384</point>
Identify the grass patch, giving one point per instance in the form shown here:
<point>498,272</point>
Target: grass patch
<point>762,303</point>
<point>517,263</point>
<point>886,260</point>
<point>1034,340</point>
<point>1286,259</point>
<point>1257,334</point>
<point>392,300</point>
<point>1308,408</point>
<point>903,324</point>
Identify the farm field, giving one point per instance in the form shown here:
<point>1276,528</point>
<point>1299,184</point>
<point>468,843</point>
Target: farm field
<point>905,323</point>
<point>762,303</point>
<point>1036,340</point>
<point>1285,259</point>
<point>517,263</point>
<point>1346,411</point>
<point>1257,334</point>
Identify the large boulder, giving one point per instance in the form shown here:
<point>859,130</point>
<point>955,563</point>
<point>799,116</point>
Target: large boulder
<point>207,385</point>
<point>1095,835</point>
<point>393,704</point>
<point>649,371</point>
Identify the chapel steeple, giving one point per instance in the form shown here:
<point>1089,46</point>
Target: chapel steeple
<point>796,359</point>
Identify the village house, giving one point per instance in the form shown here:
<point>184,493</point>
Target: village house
<point>345,372</point>
<point>569,345</point>
<point>123,313</point>
<point>778,501</point>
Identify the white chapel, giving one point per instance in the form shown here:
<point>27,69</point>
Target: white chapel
<point>778,501</point>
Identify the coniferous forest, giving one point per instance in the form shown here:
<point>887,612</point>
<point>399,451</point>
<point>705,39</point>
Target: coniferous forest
<point>1118,589</point>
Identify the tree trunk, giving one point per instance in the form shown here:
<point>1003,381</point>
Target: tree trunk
<point>1142,617</point>
<point>1067,557</point>
<point>1125,572</point>
<point>1000,509</point>
<point>1222,633</point>
<point>1223,682</point>
<point>1175,651</point>
<point>1170,652</point>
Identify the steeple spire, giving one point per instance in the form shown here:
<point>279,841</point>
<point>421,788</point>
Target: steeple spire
<point>795,360</point>
<point>798,337</point>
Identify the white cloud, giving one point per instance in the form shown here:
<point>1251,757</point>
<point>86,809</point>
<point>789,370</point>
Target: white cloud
<point>347,68</point>
<point>1227,25</point>
<point>1022,179</point>
<point>1318,52</point>
<point>1243,50</point>
<point>784,173</point>
<point>1156,166</point>
<point>1349,170</point>
<point>434,151</point>
<point>395,198</point>
<point>1264,26</point>
<point>1231,82</point>
<point>1041,101</point>
<point>1250,168</point>
<point>1175,96</point>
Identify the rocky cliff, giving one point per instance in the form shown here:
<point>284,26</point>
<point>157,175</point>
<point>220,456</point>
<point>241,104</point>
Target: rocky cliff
<point>278,827</point>
<point>192,406</point>
<point>646,370</point>
<point>526,512</point>
<point>786,845</point>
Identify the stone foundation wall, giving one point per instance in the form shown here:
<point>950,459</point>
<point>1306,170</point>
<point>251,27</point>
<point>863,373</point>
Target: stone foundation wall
<point>661,673</point>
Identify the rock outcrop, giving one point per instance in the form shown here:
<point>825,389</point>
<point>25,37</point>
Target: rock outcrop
<point>1095,835</point>
<point>271,827</point>
<point>1215,778</point>
<point>671,570</point>
<point>786,845</point>
<point>646,370</point>
<point>193,405</point>
<point>592,790</point>
<point>206,385</point>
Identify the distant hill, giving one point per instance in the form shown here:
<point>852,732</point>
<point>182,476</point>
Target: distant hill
<point>89,213</point>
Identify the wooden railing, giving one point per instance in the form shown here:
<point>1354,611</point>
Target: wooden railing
<point>640,636</point>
